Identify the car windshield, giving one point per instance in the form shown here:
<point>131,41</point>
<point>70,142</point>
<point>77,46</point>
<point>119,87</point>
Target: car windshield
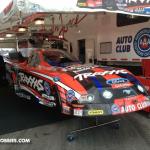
<point>58,58</point>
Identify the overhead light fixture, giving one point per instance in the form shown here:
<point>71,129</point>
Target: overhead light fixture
<point>22,29</point>
<point>9,35</point>
<point>1,38</point>
<point>79,31</point>
<point>60,36</point>
<point>39,21</point>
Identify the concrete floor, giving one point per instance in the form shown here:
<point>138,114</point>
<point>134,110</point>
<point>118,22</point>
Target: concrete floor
<point>47,129</point>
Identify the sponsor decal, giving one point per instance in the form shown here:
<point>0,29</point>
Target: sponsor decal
<point>137,1</point>
<point>121,4</point>
<point>128,108</point>
<point>123,44</point>
<point>51,104</point>
<point>70,95</point>
<point>135,6</point>
<point>135,107</point>
<point>90,3</point>
<point>47,88</point>
<point>122,85</point>
<point>31,81</point>
<point>77,95</point>
<point>147,10</point>
<point>77,69</point>
<point>66,109</point>
<point>127,91</point>
<point>51,98</point>
<point>87,98</point>
<point>94,3</point>
<point>142,43</point>
<point>90,74</point>
<point>16,87</point>
<point>48,103</point>
<point>95,112</point>
<point>82,4</point>
<point>117,81</point>
<point>22,95</point>
<point>132,6</point>
<point>115,109</point>
<point>78,112</point>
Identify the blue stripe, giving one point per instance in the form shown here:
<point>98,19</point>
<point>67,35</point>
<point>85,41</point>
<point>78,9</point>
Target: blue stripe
<point>97,83</point>
<point>130,77</point>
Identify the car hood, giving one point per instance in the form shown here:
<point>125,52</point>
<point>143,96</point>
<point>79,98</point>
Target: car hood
<point>90,78</point>
<point>113,90</point>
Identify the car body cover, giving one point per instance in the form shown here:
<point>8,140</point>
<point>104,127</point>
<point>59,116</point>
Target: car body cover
<point>82,89</point>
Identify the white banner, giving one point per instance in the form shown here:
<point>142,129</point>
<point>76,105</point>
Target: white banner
<point>135,7</point>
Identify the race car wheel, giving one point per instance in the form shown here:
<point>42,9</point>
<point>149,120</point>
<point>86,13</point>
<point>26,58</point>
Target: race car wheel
<point>70,137</point>
<point>58,100</point>
<point>116,125</point>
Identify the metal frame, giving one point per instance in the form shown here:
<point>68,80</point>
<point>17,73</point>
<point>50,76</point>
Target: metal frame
<point>72,135</point>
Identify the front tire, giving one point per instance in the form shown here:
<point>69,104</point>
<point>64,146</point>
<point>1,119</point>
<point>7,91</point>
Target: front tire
<point>70,137</point>
<point>58,100</point>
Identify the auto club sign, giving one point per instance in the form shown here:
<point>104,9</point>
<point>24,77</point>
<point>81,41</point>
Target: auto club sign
<point>123,44</point>
<point>141,43</point>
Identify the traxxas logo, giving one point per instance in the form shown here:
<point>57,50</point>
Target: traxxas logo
<point>31,81</point>
<point>90,74</point>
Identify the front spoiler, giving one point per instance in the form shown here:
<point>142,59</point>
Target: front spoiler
<point>108,109</point>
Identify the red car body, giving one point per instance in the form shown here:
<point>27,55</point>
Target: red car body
<point>56,79</point>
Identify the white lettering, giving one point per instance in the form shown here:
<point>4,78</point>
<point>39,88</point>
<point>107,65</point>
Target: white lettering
<point>141,105</point>
<point>40,86</point>
<point>48,97</point>
<point>122,109</point>
<point>31,81</point>
<point>130,108</point>
<point>86,75</point>
<point>103,73</point>
<point>79,76</point>
<point>134,107</point>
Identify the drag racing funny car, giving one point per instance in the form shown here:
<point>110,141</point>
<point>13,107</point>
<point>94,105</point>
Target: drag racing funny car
<point>56,79</point>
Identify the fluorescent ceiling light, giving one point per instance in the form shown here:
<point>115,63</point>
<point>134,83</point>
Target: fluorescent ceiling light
<point>61,36</point>
<point>1,39</point>
<point>39,21</point>
<point>22,29</point>
<point>9,35</point>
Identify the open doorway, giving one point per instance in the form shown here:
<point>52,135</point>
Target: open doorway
<point>81,47</point>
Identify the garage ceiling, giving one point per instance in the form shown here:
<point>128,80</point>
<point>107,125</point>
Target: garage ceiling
<point>59,16</point>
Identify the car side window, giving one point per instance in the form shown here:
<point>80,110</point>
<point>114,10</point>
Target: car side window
<point>34,60</point>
